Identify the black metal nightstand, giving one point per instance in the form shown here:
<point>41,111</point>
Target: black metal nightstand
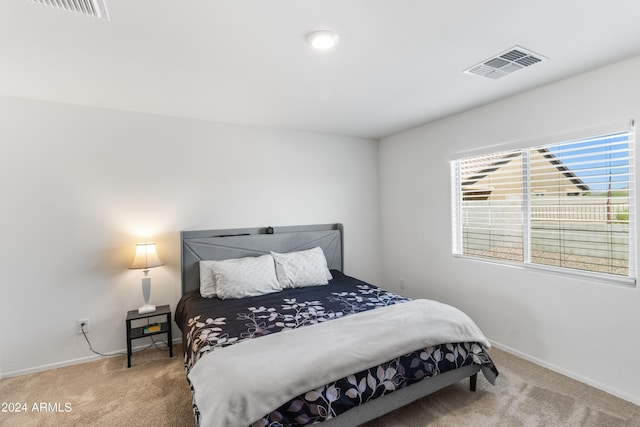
<point>139,331</point>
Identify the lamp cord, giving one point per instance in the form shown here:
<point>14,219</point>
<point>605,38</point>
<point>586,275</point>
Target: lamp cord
<point>153,343</point>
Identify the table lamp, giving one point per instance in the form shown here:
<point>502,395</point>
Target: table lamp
<point>146,258</point>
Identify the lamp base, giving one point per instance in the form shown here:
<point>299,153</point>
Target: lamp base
<point>147,308</point>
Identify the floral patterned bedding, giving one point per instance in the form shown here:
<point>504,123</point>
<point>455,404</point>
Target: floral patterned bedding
<point>208,324</point>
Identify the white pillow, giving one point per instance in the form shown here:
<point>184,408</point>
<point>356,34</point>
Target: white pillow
<point>303,268</point>
<point>245,277</point>
<point>207,281</point>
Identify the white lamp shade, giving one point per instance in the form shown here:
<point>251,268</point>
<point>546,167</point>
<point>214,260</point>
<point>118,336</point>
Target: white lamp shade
<point>146,256</point>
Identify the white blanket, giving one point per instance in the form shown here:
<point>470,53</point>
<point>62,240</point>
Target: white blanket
<point>239,384</point>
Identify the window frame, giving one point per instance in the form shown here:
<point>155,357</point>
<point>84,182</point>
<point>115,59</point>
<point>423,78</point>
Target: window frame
<point>619,126</point>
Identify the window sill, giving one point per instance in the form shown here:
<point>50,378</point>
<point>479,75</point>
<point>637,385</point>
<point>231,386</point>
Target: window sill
<point>559,271</point>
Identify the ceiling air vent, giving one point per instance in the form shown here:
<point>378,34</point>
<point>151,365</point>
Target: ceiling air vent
<point>95,8</point>
<point>505,63</point>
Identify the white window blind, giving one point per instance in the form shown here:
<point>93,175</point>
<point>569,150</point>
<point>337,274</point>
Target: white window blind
<point>566,206</point>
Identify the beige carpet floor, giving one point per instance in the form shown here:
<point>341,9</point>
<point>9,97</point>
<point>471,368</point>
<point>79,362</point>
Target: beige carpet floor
<point>154,392</point>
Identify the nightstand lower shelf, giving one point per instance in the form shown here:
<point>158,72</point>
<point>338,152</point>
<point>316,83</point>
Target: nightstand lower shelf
<point>138,332</point>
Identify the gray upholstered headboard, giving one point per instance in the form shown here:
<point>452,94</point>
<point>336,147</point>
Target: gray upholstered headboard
<point>198,245</point>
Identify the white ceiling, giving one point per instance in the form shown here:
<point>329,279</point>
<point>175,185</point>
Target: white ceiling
<point>398,64</point>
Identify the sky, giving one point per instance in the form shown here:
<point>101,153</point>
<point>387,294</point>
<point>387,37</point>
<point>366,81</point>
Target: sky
<point>593,159</point>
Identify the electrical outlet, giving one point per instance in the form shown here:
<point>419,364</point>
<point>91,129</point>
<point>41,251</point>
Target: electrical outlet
<point>79,324</point>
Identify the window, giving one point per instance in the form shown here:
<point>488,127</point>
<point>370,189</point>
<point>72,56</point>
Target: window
<point>566,204</point>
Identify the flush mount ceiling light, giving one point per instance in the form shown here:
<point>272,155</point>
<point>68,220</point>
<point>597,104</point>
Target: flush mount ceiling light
<point>322,39</point>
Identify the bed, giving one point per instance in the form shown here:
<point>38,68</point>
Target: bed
<point>341,353</point>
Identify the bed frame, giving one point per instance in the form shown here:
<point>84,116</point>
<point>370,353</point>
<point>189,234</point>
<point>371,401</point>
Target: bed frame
<point>201,245</point>
<point>217,245</point>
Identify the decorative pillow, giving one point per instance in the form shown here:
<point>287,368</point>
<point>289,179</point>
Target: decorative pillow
<point>303,268</point>
<point>207,281</point>
<point>245,277</point>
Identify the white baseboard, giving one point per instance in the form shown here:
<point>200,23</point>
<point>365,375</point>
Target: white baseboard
<point>498,345</point>
<point>77,361</point>
<point>567,373</point>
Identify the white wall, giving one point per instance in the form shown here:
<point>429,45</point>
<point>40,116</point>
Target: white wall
<point>585,328</point>
<point>80,186</point>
